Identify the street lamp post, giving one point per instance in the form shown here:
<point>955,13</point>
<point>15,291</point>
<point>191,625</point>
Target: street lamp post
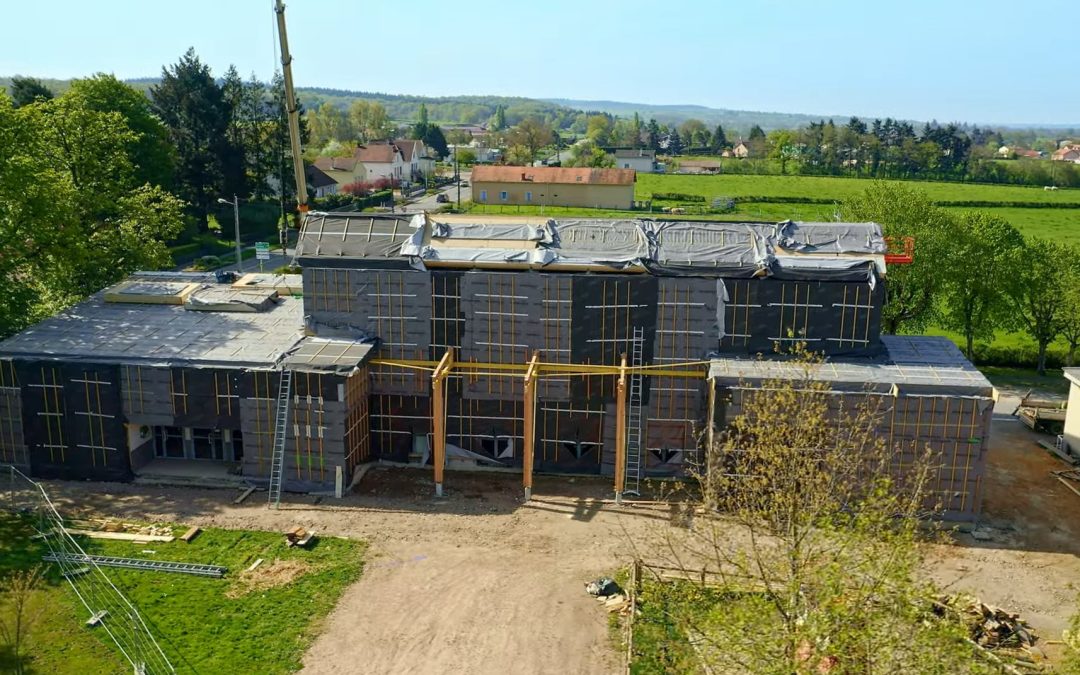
<point>235,203</point>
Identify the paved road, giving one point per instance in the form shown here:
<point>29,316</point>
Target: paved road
<point>428,203</point>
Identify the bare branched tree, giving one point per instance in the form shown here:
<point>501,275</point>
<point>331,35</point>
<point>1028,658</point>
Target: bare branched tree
<point>22,610</point>
<point>803,540</point>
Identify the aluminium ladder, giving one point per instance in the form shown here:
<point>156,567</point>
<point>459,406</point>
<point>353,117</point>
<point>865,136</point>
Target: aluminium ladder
<point>281,426</point>
<point>634,460</point>
<point>216,571</point>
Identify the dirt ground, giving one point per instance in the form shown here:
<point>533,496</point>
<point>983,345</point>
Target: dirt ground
<point>480,582</point>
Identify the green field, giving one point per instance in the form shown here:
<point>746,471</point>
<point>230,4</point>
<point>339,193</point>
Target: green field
<point>204,625</point>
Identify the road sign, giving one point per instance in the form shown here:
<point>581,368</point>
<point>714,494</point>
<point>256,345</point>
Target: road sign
<point>262,250</point>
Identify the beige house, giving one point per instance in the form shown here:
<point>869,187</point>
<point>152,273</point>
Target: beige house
<point>343,170</point>
<point>1067,153</point>
<point>1071,436</point>
<point>741,150</point>
<point>554,186</point>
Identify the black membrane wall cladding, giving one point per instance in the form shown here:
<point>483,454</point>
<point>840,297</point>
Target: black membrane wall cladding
<point>73,420</point>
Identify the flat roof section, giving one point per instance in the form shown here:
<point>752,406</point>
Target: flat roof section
<point>321,355</point>
<point>97,331</point>
<point>926,365</point>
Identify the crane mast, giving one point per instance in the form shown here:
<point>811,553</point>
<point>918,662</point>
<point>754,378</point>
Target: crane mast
<point>292,109</point>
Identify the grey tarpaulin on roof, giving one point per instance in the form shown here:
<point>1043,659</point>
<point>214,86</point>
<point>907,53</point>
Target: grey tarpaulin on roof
<point>480,230</point>
<point>826,269</point>
<point>618,242</point>
<point>735,249</point>
<point>353,235</point>
<point>829,237</point>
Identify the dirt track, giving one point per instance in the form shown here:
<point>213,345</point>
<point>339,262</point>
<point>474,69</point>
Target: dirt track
<point>480,583</point>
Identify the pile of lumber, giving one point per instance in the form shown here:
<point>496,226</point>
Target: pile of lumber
<point>995,630</point>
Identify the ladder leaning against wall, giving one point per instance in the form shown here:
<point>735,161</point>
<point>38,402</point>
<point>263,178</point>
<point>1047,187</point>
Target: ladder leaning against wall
<point>634,460</point>
<point>281,426</point>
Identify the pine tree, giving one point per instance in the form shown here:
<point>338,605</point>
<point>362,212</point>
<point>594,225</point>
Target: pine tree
<point>719,140</point>
<point>194,109</point>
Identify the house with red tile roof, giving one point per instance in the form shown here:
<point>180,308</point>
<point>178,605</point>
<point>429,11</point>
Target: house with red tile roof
<point>554,186</point>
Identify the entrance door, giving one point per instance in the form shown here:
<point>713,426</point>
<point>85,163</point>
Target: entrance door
<point>207,444</point>
<point>169,442</point>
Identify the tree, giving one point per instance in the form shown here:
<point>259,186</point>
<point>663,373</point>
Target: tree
<point>330,123</point>
<point>27,90</point>
<point>914,289</point>
<point>23,612</point>
<point>194,110</point>
<point>781,147</point>
<point>422,116</point>
<point>1070,309</point>
<point>531,134</point>
<point>674,143</point>
<point>719,140</point>
<point>74,217</point>
<point>690,131</point>
<point>811,537</point>
<point>636,127</point>
<point>151,150</point>
<point>980,263</point>
<point>369,121</point>
<point>465,156</point>
<point>588,153</point>
<point>434,139</point>
<point>598,129</point>
<point>756,133</point>
<point>1037,287</point>
<point>498,122</point>
<point>652,135</point>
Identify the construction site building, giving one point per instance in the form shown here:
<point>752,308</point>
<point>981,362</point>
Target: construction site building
<point>569,346</point>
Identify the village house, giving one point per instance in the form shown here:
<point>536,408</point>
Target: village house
<point>1067,153</point>
<point>699,166</point>
<point>554,186</point>
<point>741,150</point>
<point>342,170</point>
<point>640,160</point>
<point>382,160</point>
<point>417,165</point>
<point>321,183</point>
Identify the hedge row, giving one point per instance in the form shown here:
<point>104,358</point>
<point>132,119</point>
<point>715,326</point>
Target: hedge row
<point>677,197</point>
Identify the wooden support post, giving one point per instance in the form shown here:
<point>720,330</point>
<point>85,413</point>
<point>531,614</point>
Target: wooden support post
<point>620,432</point>
<point>710,420</point>
<point>530,424</point>
<point>438,415</point>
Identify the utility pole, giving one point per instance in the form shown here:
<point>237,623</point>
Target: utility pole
<point>235,203</point>
<point>457,176</point>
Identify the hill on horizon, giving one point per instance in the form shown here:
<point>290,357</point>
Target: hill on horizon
<point>478,109</point>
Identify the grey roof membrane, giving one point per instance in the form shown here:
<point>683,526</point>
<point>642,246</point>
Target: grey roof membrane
<point>914,364</point>
<point>104,332</point>
<point>849,250</point>
<point>353,235</point>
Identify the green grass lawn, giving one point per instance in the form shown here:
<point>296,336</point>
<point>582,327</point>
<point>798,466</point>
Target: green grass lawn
<point>204,625</point>
<point>826,187</point>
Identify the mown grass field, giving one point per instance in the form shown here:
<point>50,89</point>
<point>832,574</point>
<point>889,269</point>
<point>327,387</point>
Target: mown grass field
<point>204,625</point>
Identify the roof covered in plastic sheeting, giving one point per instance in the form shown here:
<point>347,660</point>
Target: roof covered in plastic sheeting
<point>836,251</point>
<point>913,365</point>
<point>353,235</point>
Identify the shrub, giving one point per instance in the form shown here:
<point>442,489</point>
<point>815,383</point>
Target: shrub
<point>207,262</point>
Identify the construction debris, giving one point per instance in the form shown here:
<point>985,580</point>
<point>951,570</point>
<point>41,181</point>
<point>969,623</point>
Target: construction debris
<point>121,536</point>
<point>244,495</point>
<point>96,618</point>
<point>603,587</point>
<point>1070,479</point>
<point>1042,414</point>
<point>192,532</point>
<point>298,536</point>
<point>994,630</point>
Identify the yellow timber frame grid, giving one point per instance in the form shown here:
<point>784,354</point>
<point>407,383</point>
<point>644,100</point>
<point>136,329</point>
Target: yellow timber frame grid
<point>531,373</point>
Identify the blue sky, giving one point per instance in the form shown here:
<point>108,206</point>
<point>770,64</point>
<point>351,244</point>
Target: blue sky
<point>971,60</point>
